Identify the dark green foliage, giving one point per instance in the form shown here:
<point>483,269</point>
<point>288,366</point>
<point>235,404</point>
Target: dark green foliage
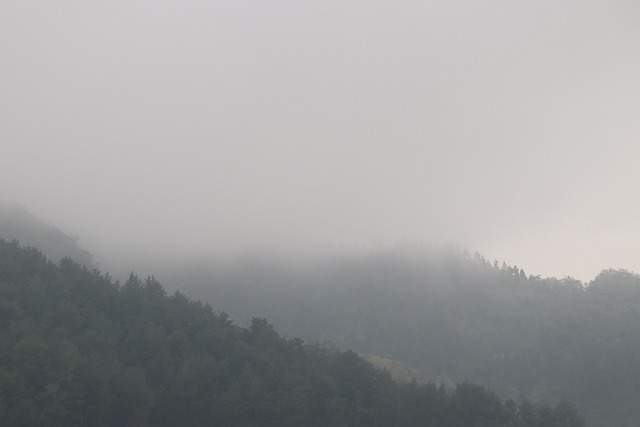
<point>77,349</point>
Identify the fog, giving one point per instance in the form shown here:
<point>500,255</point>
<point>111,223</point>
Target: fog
<point>191,129</point>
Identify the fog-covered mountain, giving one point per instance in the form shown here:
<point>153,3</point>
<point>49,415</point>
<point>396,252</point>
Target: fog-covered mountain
<point>437,314</point>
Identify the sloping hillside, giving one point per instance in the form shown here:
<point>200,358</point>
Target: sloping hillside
<point>77,349</point>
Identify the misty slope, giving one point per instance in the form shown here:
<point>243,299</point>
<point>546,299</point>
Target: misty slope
<point>77,349</point>
<point>453,315</point>
<point>19,224</point>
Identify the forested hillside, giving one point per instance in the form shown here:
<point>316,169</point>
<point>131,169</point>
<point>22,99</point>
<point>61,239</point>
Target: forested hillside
<point>77,349</point>
<point>453,316</point>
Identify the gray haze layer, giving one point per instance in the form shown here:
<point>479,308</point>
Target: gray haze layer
<point>192,128</point>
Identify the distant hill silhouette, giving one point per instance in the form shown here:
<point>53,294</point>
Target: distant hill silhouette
<point>17,223</point>
<point>446,315</point>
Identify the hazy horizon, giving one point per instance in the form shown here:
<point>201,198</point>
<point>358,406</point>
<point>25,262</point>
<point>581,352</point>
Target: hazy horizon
<point>192,129</point>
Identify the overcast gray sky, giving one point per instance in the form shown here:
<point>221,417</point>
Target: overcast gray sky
<point>177,127</point>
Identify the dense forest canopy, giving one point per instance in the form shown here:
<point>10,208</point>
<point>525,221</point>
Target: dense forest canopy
<point>77,349</point>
